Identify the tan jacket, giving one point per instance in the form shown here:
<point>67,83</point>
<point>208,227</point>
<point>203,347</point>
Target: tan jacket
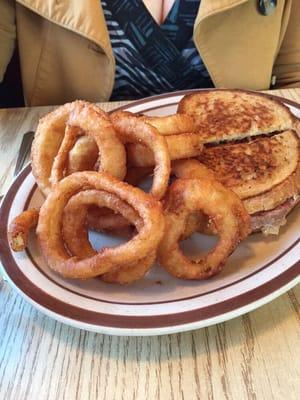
<point>65,52</point>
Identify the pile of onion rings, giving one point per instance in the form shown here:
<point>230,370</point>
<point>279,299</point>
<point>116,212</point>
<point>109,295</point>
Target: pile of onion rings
<point>88,165</point>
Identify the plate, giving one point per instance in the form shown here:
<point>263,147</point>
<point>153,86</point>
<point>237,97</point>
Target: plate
<point>259,270</point>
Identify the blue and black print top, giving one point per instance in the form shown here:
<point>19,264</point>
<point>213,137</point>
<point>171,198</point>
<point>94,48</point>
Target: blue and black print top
<point>152,58</point>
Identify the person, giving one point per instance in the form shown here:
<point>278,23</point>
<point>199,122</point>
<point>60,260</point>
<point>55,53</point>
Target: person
<point>77,48</point>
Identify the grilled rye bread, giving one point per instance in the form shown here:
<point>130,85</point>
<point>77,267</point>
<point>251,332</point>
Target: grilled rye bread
<point>264,173</point>
<point>224,115</point>
<point>251,146</point>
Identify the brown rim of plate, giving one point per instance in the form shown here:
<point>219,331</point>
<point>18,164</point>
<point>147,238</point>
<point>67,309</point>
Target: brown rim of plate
<point>60,308</point>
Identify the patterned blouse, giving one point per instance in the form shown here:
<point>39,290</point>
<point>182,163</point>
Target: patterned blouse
<point>152,58</point>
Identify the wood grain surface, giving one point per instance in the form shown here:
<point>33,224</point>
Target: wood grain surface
<point>255,356</point>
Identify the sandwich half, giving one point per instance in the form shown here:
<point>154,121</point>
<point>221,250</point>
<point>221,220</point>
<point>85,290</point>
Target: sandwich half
<point>252,145</point>
<point>224,115</point>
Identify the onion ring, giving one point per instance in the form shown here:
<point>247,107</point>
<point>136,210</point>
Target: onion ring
<point>75,232</point>
<point>19,228</point>
<point>76,236</point>
<point>83,155</point>
<point>131,272</point>
<point>132,129</point>
<point>50,134</point>
<point>191,169</point>
<point>194,169</point>
<point>106,220</point>
<point>171,124</point>
<point>95,123</point>
<point>232,222</point>
<point>167,124</point>
<point>180,146</point>
<point>49,229</point>
<point>47,140</point>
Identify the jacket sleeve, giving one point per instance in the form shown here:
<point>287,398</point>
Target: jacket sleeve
<point>7,34</point>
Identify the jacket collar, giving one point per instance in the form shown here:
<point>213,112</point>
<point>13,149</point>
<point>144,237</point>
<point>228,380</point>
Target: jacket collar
<point>84,17</point>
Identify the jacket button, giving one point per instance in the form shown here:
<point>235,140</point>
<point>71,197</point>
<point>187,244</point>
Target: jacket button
<point>266,7</point>
<point>273,80</point>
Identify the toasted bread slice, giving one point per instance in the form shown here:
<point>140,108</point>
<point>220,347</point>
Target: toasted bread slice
<point>264,172</point>
<point>255,167</point>
<point>289,188</point>
<point>225,115</point>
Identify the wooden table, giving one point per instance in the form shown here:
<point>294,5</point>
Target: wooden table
<point>255,356</point>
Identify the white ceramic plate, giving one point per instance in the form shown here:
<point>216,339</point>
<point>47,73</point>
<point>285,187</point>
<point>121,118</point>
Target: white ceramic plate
<point>260,269</point>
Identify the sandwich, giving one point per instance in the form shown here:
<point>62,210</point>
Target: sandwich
<point>252,144</point>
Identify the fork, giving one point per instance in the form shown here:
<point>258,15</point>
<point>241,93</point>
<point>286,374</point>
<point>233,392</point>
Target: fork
<point>23,153</point>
